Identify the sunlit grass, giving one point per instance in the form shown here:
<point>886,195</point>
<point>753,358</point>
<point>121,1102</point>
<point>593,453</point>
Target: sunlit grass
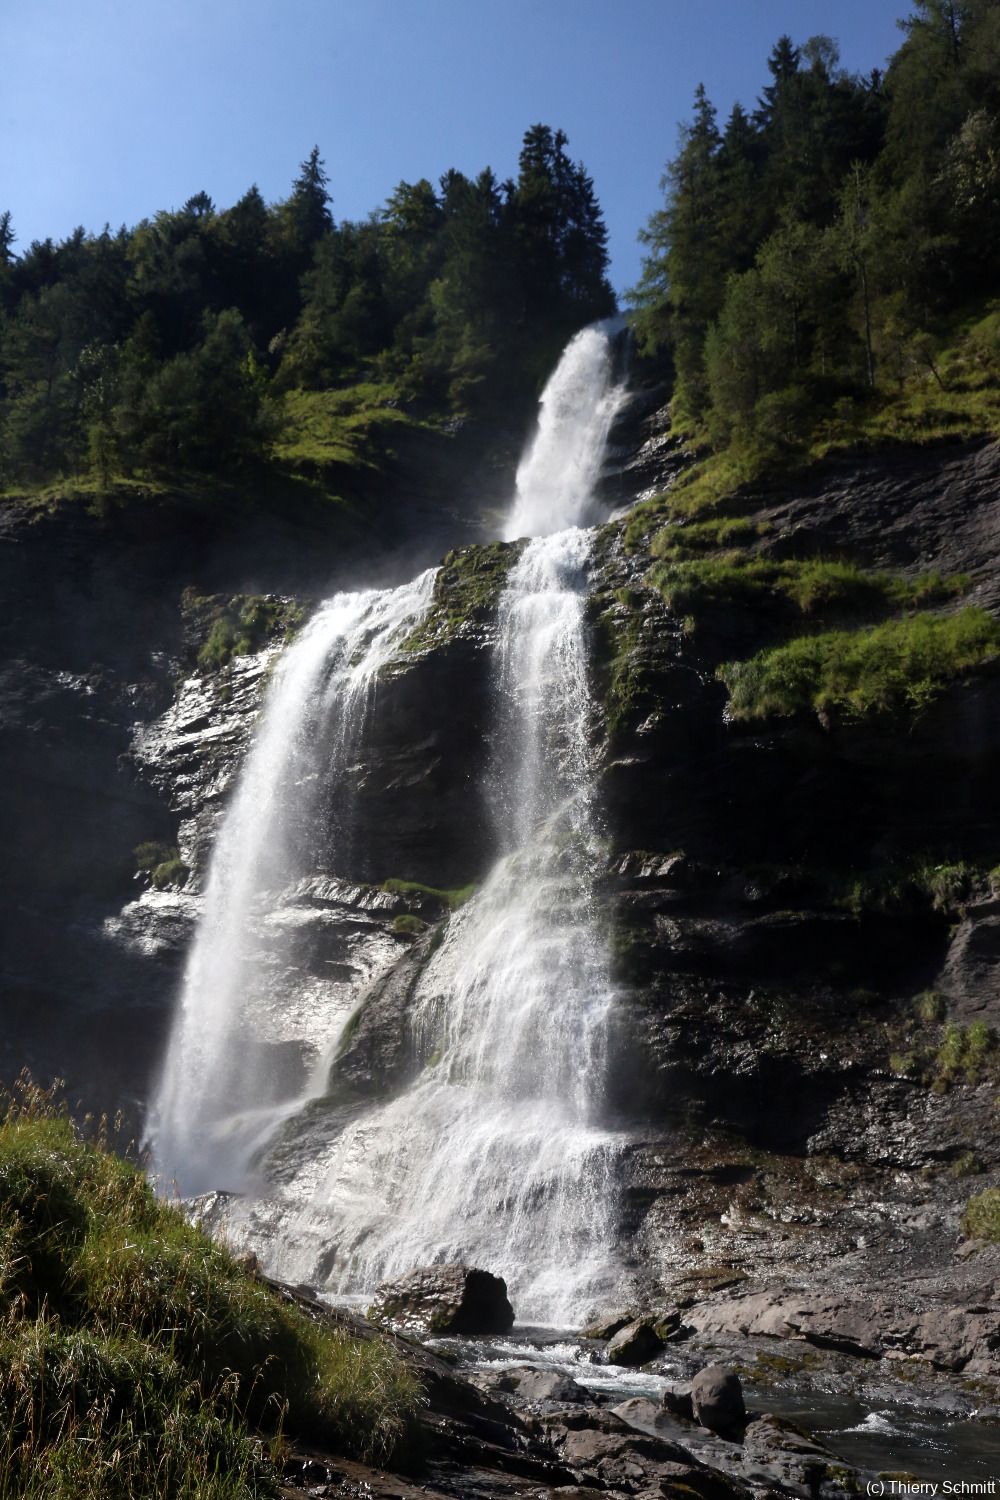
<point>897,667</point>
<point>137,1357</point>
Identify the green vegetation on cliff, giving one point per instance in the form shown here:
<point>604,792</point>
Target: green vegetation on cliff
<point>814,585</point>
<point>981,1220</point>
<point>453,899</point>
<point>467,590</point>
<point>137,1357</point>
<point>238,625</point>
<point>162,863</point>
<point>896,667</point>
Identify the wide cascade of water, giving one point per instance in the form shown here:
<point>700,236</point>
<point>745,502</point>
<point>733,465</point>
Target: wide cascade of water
<point>495,1153</point>
<point>216,1099</point>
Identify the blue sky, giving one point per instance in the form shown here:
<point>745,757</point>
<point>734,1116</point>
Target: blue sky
<point>112,109</point>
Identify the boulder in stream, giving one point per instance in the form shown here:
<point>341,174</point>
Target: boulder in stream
<point>635,1343</point>
<point>445,1299</point>
<point>717,1400</point>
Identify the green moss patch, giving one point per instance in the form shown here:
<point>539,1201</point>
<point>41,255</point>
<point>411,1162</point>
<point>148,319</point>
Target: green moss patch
<point>981,1220</point>
<point>162,863</point>
<point>467,590</point>
<point>814,586</point>
<point>895,668</point>
<point>453,898</point>
<point>237,626</point>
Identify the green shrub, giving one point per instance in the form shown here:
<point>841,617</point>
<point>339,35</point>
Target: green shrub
<point>948,885</point>
<point>678,541</point>
<point>138,1358</point>
<point>452,898</point>
<point>408,925</point>
<point>813,585</point>
<point>240,626</point>
<point>930,1007</point>
<point>981,1220</point>
<point>964,1051</point>
<point>897,667</point>
<point>162,863</point>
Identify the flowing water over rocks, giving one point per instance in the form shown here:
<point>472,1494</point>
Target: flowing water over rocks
<point>556,478</point>
<point>494,1153</point>
<point>224,1085</point>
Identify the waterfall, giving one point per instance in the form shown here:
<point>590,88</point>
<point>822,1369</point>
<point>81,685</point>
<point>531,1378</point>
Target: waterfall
<point>555,480</point>
<point>216,1101</point>
<point>495,1152</point>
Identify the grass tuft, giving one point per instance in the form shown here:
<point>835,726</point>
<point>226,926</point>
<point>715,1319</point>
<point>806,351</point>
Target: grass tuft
<point>814,586</point>
<point>981,1220</point>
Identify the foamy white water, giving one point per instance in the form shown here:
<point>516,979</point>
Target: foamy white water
<point>494,1155</point>
<point>556,477</point>
<point>216,1101</point>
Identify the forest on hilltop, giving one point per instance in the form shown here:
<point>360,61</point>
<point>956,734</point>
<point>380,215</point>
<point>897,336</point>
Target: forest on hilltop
<point>204,338</point>
<point>813,256</point>
<point>819,275</point>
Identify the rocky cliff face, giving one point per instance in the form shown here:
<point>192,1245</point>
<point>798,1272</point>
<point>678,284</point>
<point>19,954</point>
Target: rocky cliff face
<point>787,979</point>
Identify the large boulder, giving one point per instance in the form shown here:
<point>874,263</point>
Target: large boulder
<point>717,1400</point>
<point>445,1299</point>
<point>635,1343</point>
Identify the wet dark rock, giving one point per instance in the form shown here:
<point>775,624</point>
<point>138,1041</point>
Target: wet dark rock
<point>606,1326</point>
<point>445,1299</point>
<point>777,1452</point>
<point>376,1053</point>
<point>717,1400</point>
<point>635,1343</point>
<point>968,977</point>
<point>676,1400</point>
<point>534,1385</point>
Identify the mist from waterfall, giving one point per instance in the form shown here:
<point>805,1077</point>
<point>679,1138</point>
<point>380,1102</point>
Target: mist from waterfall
<point>215,1102</point>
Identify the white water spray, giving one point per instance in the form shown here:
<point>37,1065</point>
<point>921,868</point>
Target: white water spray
<point>216,1098</point>
<point>494,1153</point>
<point>556,477</point>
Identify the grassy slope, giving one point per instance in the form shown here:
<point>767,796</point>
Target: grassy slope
<point>703,551</point>
<point>958,399</point>
<point>326,445</point>
<point>138,1358</point>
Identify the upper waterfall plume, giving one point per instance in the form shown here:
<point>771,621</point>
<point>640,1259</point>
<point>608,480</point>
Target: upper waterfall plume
<point>217,1096</point>
<point>556,477</point>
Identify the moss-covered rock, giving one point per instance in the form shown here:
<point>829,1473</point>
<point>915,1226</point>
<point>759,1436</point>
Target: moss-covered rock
<point>467,592</point>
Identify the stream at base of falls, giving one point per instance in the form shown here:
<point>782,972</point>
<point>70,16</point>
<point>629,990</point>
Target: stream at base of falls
<point>877,1424</point>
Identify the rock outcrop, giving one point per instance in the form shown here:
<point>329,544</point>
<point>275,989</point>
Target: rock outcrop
<point>445,1299</point>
